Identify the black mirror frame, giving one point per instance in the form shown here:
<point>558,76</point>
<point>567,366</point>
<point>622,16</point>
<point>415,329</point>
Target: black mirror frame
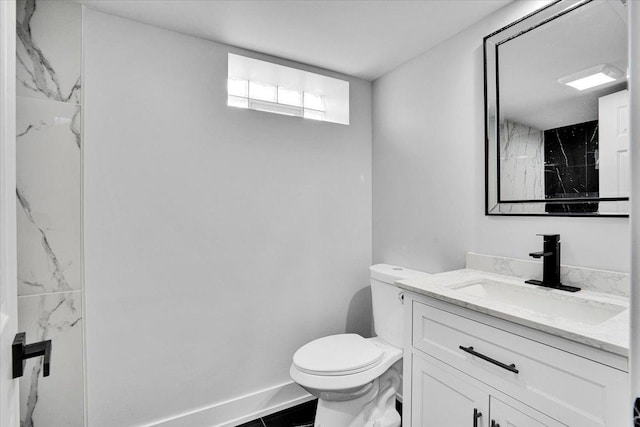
<point>493,204</point>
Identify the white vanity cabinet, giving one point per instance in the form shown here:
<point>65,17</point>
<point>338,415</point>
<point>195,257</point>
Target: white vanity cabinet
<point>444,398</point>
<point>459,362</point>
<point>503,415</point>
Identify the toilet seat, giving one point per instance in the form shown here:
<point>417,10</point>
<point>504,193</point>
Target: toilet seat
<point>348,381</point>
<point>343,354</point>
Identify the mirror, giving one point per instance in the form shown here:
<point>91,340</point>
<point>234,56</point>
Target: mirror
<point>556,111</point>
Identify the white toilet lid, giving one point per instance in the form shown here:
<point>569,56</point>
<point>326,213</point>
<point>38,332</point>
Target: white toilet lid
<point>342,354</point>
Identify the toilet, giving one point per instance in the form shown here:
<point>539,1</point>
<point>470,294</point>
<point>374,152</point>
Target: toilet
<point>356,379</point>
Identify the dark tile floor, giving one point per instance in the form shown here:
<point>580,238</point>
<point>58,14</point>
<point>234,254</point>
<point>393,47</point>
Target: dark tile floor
<point>302,415</point>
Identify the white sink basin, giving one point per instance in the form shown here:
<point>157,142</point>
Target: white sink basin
<point>541,301</point>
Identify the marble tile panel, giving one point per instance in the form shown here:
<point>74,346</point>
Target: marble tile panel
<point>56,400</point>
<point>528,208</point>
<point>48,193</point>
<point>521,162</point>
<point>49,40</point>
<point>570,166</point>
<point>569,160</point>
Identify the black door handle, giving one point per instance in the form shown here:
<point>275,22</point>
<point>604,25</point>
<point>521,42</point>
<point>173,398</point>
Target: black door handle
<point>21,352</point>
<point>476,414</point>
<point>494,423</point>
<point>470,350</point>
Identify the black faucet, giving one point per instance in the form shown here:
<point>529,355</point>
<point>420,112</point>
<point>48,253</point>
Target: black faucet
<point>550,264</point>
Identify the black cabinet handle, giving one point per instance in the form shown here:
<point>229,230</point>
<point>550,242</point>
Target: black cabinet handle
<point>494,423</point>
<point>476,414</point>
<point>21,352</point>
<point>470,350</point>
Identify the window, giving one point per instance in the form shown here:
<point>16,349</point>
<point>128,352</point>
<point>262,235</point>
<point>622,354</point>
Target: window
<point>264,86</point>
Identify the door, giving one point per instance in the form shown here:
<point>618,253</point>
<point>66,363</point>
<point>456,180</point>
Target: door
<point>613,160</point>
<point>9,390</point>
<point>441,399</point>
<point>503,415</point>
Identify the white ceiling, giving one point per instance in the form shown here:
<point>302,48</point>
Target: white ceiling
<point>531,64</point>
<point>365,38</point>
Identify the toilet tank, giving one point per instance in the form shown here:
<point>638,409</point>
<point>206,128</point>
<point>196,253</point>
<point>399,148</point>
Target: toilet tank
<point>387,301</point>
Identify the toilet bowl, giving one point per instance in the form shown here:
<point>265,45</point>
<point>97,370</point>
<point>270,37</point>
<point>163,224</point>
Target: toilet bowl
<point>356,379</point>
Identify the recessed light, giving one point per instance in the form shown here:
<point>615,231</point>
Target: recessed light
<point>592,77</point>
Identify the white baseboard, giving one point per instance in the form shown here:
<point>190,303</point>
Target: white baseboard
<point>241,409</point>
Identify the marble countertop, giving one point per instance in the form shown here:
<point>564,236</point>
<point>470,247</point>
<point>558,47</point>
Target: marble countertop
<point>611,335</point>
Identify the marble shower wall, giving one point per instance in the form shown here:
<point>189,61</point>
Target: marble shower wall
<point>521,162</point>
<point>49,208</point>
<point>571,165</point>
<point>570,154</point>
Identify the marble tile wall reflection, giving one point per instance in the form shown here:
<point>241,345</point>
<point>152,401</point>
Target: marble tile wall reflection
<point>49,207</point>
<point>524,208</point>
<point>521,162</point>
<point>570,154</point>
<point>571,166</point>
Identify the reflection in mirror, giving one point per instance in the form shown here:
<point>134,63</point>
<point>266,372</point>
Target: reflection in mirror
<point>557,116</point>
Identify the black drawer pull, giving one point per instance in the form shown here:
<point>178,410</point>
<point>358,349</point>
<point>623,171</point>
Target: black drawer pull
<point>470,350</point>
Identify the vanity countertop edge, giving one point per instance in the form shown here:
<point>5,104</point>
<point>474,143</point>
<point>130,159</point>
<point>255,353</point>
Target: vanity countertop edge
<point>611,336</point>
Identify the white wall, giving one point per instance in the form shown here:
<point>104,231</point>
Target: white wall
<point>217,240</point>
<point>428,169</point>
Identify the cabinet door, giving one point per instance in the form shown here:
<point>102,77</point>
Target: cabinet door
<point>503,415</point>
<point>562,385</point>
<point>442,399</point>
